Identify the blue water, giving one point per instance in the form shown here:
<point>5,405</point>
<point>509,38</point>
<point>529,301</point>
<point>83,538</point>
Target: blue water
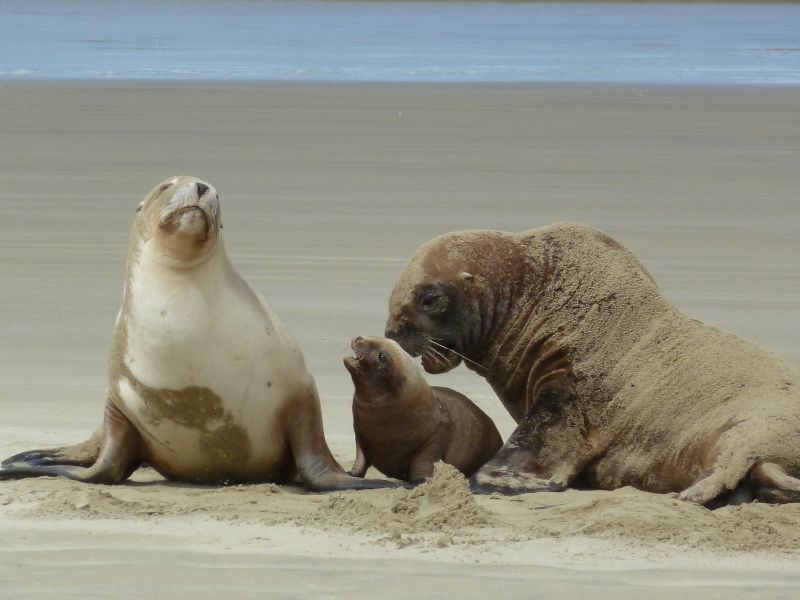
<point>250,40</point>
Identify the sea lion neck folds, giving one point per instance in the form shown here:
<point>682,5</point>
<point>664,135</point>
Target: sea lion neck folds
<point>447,302</point>
<point>609,383</point>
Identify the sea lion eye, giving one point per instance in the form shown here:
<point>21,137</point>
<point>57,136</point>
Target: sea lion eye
<point>381,357</point>
<point>434,303</point>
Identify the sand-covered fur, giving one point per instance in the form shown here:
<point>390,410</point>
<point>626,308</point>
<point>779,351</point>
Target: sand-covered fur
<point>610,383</point>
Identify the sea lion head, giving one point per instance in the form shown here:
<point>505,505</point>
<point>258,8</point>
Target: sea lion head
<point>435,307</point>
<point>182,216</point>
<point>380,367</point>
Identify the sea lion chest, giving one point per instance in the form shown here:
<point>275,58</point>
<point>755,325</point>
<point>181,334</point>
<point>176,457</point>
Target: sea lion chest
<point>392,432</point>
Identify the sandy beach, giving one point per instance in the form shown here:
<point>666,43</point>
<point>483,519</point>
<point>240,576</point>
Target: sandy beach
<point>326,191</point>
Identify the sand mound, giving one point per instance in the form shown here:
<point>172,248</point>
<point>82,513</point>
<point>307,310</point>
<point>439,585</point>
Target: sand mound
<point>444,503</point>
<point>442,507</point>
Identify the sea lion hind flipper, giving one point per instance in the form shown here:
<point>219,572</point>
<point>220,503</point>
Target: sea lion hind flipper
<point>774,485</point>
<point>116,459</point>
<point>714,483</point>
<point>769,483</point>
<point>83,454</point>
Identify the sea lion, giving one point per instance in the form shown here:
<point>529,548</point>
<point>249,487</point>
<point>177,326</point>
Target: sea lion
<point>403,425</point>
<point>610,384</point>
<point>204,382</point>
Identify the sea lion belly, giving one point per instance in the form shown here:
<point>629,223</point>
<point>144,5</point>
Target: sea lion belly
<point>201,382</point>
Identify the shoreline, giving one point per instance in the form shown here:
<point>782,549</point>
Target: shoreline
<point>85,83</point>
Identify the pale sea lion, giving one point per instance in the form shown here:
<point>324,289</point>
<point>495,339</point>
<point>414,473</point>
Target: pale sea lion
<point>204,382</point>
<point>403,426</point>
<point>610,384</point>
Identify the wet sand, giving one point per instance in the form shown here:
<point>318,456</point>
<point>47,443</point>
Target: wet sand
<point>326,191</point>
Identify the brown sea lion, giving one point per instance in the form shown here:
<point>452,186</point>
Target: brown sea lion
<point>610,384</point>
<point>403,425</point>
<point>204,382</point>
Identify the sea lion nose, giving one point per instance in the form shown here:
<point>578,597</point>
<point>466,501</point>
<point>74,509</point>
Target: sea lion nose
<point>202,188</point>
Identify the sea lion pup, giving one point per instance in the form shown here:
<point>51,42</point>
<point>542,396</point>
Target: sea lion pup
<point>204,382</point>
<point>403,425</point>
<point>610,384</point>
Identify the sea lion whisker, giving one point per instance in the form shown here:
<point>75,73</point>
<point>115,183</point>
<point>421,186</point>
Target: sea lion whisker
<point>432,350</point>
<point>435,356</point>
<point>469,360</point>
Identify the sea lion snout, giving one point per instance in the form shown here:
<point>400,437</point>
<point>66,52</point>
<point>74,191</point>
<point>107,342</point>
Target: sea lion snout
<point>184,212</point>
<point>187,221</point>
<point>364,350</point>
<point>193,197</point>
<point>373,358</point>
<point>436,357</point>
<point>353,362</point>
<point>359,347</point>
<point>406,336</point>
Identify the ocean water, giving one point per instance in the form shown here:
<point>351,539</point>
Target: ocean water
<point>262,40</point>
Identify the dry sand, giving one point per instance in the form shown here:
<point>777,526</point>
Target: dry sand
<point>326,191</point>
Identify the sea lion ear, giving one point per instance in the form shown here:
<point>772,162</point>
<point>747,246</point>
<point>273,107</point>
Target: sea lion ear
<point>466,276</point>
<point>141,204</point>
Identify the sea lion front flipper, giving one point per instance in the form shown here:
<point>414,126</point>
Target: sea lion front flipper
<point>421,466</point>
<point>83,454</point>
<point>313,459</point>
<point>118,456</point>
<point>360,464</point>
<point>547,450</point>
